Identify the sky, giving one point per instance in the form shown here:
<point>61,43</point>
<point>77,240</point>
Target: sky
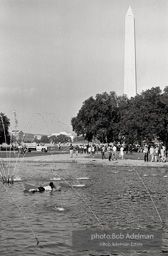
<point>55,54</point>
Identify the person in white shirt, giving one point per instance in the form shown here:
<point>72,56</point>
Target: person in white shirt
<point>162,153</point>
<point>156,154</point>
<point>50,187</point>
<point>152,151</point>
<point>115,152</point>
<point>122,152</point>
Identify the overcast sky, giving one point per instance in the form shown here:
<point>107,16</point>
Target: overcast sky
<point>54,54</point>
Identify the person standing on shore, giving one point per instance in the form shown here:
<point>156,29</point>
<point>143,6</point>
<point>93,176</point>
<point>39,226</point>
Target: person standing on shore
<point>152,151</point>
<point>109,150</point>
<point>89,149</point>
<point>162,153</point>
<point>84,148</point>
<point>145,151</point>
<point>114,152</point>
<point>103,152</point>
<point>93,149</point>
<point>77,149</point>
<point>122,152</point>
<point>71,150</point>
<point>156,153</point>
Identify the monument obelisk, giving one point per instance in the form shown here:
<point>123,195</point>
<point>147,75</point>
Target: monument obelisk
<point>130,83</point>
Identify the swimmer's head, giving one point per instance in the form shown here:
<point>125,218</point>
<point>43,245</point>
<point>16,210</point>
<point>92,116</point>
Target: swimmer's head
<point>52,185</point>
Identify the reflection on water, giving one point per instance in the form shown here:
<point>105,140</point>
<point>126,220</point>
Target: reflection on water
<point>116,196</point>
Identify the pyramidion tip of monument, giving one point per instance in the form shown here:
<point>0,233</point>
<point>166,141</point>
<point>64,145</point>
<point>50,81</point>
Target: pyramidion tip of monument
<point>130,12</point>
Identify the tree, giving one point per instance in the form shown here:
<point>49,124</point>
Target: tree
<point>4,129</point>
<point>54,139</point>
<point>63,138</point>
<point>45,139</point>
<point>111,118</point>
<point>79,139</point>
<point>98,118</point>
<point>162,126</point>
<point>145,117</point>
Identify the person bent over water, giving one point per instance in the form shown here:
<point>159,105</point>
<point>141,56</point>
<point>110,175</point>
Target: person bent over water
<point>50,187</point>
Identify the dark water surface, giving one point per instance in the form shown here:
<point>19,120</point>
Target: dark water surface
<point>115,194</point>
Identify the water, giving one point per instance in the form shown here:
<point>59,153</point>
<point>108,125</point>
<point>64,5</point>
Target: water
<point>115,194</point>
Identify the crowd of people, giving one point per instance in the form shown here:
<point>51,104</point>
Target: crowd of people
<point>112,151</point>
<point>156,152</point>
<point>107,150</point>
<point>84,149</point>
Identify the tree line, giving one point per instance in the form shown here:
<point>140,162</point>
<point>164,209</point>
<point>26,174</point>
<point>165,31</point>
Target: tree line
<point>109,117</point>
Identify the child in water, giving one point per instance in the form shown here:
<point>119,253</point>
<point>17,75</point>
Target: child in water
<point>50,187</point>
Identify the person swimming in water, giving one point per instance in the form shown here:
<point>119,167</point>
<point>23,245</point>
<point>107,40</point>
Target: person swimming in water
<point>50,187</point>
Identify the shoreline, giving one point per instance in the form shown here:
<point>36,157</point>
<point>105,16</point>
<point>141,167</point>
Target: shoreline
<point>83,159</point>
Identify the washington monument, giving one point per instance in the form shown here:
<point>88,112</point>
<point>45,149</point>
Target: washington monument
<point>130,83</point>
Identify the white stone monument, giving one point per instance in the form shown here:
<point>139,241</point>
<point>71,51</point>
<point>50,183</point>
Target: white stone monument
<point>130,83</point>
